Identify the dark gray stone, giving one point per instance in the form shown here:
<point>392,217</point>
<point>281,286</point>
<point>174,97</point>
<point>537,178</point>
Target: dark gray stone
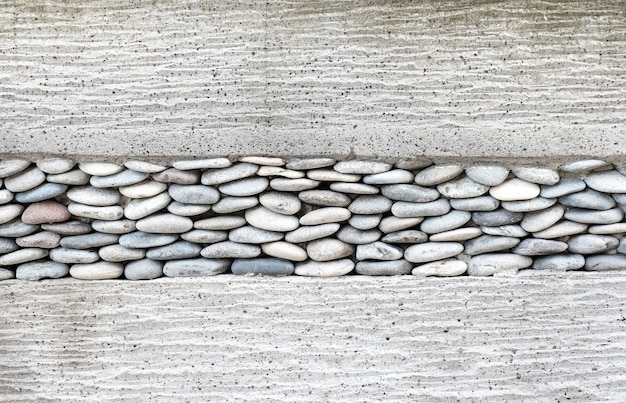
<point>539,247</point>
<point>89,241</point>
<point>265,266</point>
<point>410,193</point>
<point>384,268</point>
<point>173,251</point>
<point>496,218</point>
<point>199,267</point>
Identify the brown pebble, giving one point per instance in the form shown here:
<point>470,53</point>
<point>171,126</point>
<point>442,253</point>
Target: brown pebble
<point>43,239</point>
<point>45,212</point>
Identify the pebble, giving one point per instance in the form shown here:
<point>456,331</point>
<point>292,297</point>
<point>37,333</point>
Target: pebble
<point>278,171</point>
<point>333,268</point>
<point>354,188</point>
<point>390,177</point>
<point>324,198</point>
<point>588,199</point>
<point>365,221</point>
<point>362,167</point>
<point>490,175</point>
<point>515,189</point>
<point>6,274</point>
<point>492,263</point>
<point>245,187</point>
<point>462,189</point>
<point>143,166</point>
<point>55,165</point>
<point>606,182</point>
<point>489,243</point>
<point>42,192</point>
<point>144,269</point>
<point>97,271</point>
<point>125,178</point>
<point>383,268</point>
<point>34,271</point>
<point>22,256</point>
<point>621,168</point>
<point>119,253</point>
<point>205,236</point>
<point>404,209</point>
<point>100,168</point>
<point>11,167</point>
<point>262,266</point>
<point>280,202</point>
<point>460,234</point>
<point>482,203</point>
<point>622,246</point>
<point>17,228</point>
<point>68,228</point>
<point>328,175</point>
<point>437,174</point>
<point>63,255</point>
<point>310,163</point>
<point>412,163</point>
<point>324,250</point>
<point>164,224</point>
<point>114,227</point>
<point>431,251</point>
<point>249,234</point>
<point>263,218</point>
<point>220,223</point>
<point>89,241</point>
<point>561,229</point>
<point>589,244</point>
<point>583,166</point>
<point>311,232</point>
<point>559,262</point>
<point>539,247</point>
<point>74,177</point>
<point>25,180</point>
<point>525,206</point>
<point>620,198</point>
<point>410,193</point>
<point>542,176</point>
<point>441,268</point>
<point>173,251</point>
<point>605,262</point>
<point>540,220</point>
<point>609,229</point>
<point>393,224</point>
<point>6,196</point>
<point>233,204</point>
<point>351,235</point>
<point>285,250</point>
<point>293,185</point>
<point>188,210</point>
<point>45,212</point>
<point>109,213</point>
<point>496,218</point>
<point>140,239</point>
<point>269,161</point>
<point>452,220</point>
<point>406,236</point>
<point>43,239</point>
<point>564,187</point>
<point>144,189</point>
<point>585,216</point>
<point>233,173</point>
<point>92,196</point>
<point>11,211</point>
<point>505,230</point>
<point>370,204</point>
<point>325,215</point>
<point>229,249</point>
<point>140,208</point>
<point>198,267</point>
<point>209,163</point>
<point>378,251</point>
<point>173,175</point>
<point>8,245</point>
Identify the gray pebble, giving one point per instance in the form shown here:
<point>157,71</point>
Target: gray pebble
<point>542,176</point>
<point>333,268</point>
<point>109,213</point>
<point>362,167</point>
<point>365,222</point>
<point>207,163</point>
<point>412,163</point>
<point>515,231</point>
<point>354,188</point>
<point>559,262</point>
<point>324,198</point>
<point>6,274</point>
<point>140,208</point>
<point>378,251</point>
<point>452,220</point>
<point>390,177</point>
<point>100,168</point>
<point>144,269</point>
<point>437,174</point>
<point>564,187</point>
<point>462,189</point>
<point>583,165</point>
<point>585,216</point>
<point>605,262</point>
<point>220,223</point>
<point>194,194</point>
<point>232,173</point>
<point>187,210</point>
<point>281,202</point>
<point>539,247</point>
<point>561,229</point>
<point>407,209</point>
<point>165,224</point>
<point>328,175</point>
<point>9,212</point>
<point>125,178</point>
<point>588,199</point>
<point>42,192</point>
<point>482,203</point>
<point>119,253</point>
<point>16,229</point>
<point>293,185</point>
<point>8,245</point>
<point>229,249</point>
<point>249,234</point>
<point>325,215</point>
<point>25,180</point>
<point>114,227</point>
<point>143,166</point>
<point>68,228</point>
<point>490,175</point>
<point>384,268</point>
<point>309,163</point>
<point>524,206</point>
<point>173,251</point>
<point>93,196</point>
<point>245,187</point>
<point>496,218</point>
<point>324,250</point>
<point>539,220</point>
<point>409,236</point>
<point>351,235</point>
<point>266,219</point>
<point>55,165</point>
<point>607,182</point>
<point>198,267</point>
<point>264,266</point>
<point>260,160</point>
<point>622,246</point>
<point>410,193</point>
<point>456,235</point>
<point>492,263</point>
<point>140,239</point>
<point>74,177</point>
<point>431,251</point>
<point>6,196</point>
<point>89,241</point>
<point>589,244</point>
<point>97,271</point>
<point>620,198</point>
<point>609,229</point>
<point>369,204</point>
<point>9,167</point>
<point>233,204</point>
<point>308,233</point>
<point>205,236</point>
<point>147,188</point>
<point>393,224</point>
<point>22,255</point>
<point>39,270</point>
<point>441,268</point>
<point>63,255</point>
<point>489,243</point>
<point>173,175</point>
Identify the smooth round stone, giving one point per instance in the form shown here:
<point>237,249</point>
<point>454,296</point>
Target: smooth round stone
<point>220,223</point>
<point>97,271</point>
<point>456,235</point>
<point>431,251</point>
<point>143,189</point>
<point>269,161</point>
<point>441,268</point>
<point>22,256</point>
<point>410,193</point>
<point>542,176</point>
<point>17,228</point>
<point>583,166</point>
<point>55,165</point>
<point>75,177</point>
<point>378,251</point>
<point>34,271</point>
<point>561,229</point>
<point>176,250</point>
<point>119,253</point>
<point>164,224</point>
<point>585,216</point>
<point>143,166</point>
<point>539,220</point>
<point>515,189</point>
<point>490,175</point>
<point>188,210</point>
<point>89,241</point>
<point>249,234</point>
<point>63,255</point>
<point>605,262</point>
<point>309,163</point>
<point>125,178</point>
<point>262,266</point>
<point>25,180</point>
<point>333,268</point>
<point>452,220</point>
<point>589,244</point>
<point>492,263</point>
<point>351,235</point>
<point>229,205</point>
<point>140,208</point>
<point>609,229</point>
<point>383,268</point>
<point>140,239</point>
<point>407,209</point>
<point>462,189</point>
<point>245,187</point>
<point>209,163</point>
<point>436,174</point>
<point>68,228</point>
<point>324,250</point>
<point>9,245</point>
<point>324,198</point>
<point>114,227</point>
<point>489,243</point>
<point>45,212</point>
<point>43,239</point>
<point>11,167</point>
<point>390,177</point>
<point>559,262</point>
<point>173,175</point>
<point>370,204</point>
<point>496,218</point>
<point>406,236</point>
<point>92,196</point>
<point>622,246</point>
<point>6,274</point>
<point>325,215</point>
<point>144,269</point>
<point>362,167</point>
<point>310,232</point>
<point>285,250</point>
<point>232,173</point>
<point>229,249</point>
<point>279,171</point>
<point>100,168</point>
<point>194,194</point>
<point>588,199</point>
<point>525,206</point>
<point>205,236</point>
<point>6,196</point>
<point>606,182</point>
<point>281,203</point>
<point>263,218</point>
<point>365,222</point>
<point>620,198</point>
<point>564,187</point>
<point>393,224</point>
<point>11,211</point>
<point>198,267</point>
<point>354,188</point>
<point>481,203</point>
<point>42,192</point>
<point>328,175</point>
<point>539,247</point>
<point>412,163</point>
<point>109,213</point>
<point>293,185</point>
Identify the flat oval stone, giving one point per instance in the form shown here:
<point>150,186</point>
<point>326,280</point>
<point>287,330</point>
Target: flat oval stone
<point>92,196</point>
<point>263,266</point>
<point>233,204</point>
<point>583,165</point>
<point>25,180</point>
<point>232,173</point>
<point>620,198</point>
<point>561,229</point>
<point>68,228</point>
<point>119,253</point>
<point>362,167</point>
<point>559,262</point>
<point>144,166</point>
<point>309,163</point>
<point>140,239</point>
<point>263,218</point>
<point>588,199</point>
<point>259,160</point>
<point>410,193</point>
<point>42,192</point>
<point>245,187</point>
<point>539,247</point>
<point>249,234</point>
<point>370,204</point>
<point>496,218</point>
<point>351,235</point>
<point>515,189</point>
<point>383,268</point>
<point>437,174</point>
<point>176,250</point>
<point>310,232</point>
<point>589,244</point>
<point>6,274</point>
<point>9,245</point>
<point>452,220</point>
<point>194,194</point>
<point>490,175</point>
<point>279,171</point>
<point>285,250</point>
<point>441,268</point>
<point>97,271</point>
<point>100,168</point>
<point>393,224</point>
<point>22,256</point>
<point>198,267</point>
<point>220,223</point>
<point>125,178</point>
<point>173,175</point>
<point>412,163</point>
<point>324,198</point>
<point>229,249</point>
<point>431,251</point>
<point>6,196</point>
<point>144,269</point>
<point>75,177</point>
<point>45,212</point>
<point>462,189</point>
<point>524,206</point>
<point>165,224</point>
<point>609,229</point>
<point>109,213</point>
<point>325,215</point>
<point>63,255</point>
<point>324,250</point>
<point>328,175</point>
<point>606,182</point>
<point>17,228</point>
<point>406,236</point>
<point>492,263</point>
<point>390,177</point>
<point>205,236</point>
<point>333,268</point>
<point>114,227</point>
<point>354,188</point>
<point>378,251</point>
<point>281,203</point>
<point>188,210</point>
<point>456,235</point>
<point>585,216</point>
<point>293,185</point>
<point>542,176</point>
<point>11,211</point>
<point>140,208</point>
<point>43,239</point>
<point>365,222</point>
<point>207,163</point>
<point>88,241</point>
<point>622,246</point>
<point>539,220</point>
<point>10,167</point>
<point>55,165</point>
<point>407,209</point>
<point>605,262</point>
<point>34,271</point>
<point>489,243</point>
<point>481,203</point>
<point>143,189</point>
<point>564,187</point>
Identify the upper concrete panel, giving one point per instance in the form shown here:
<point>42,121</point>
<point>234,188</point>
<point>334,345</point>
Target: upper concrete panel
<point>368,78</point>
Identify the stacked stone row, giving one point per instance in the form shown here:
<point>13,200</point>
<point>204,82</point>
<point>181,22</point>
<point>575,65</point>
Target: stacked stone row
<point>309,217</point>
